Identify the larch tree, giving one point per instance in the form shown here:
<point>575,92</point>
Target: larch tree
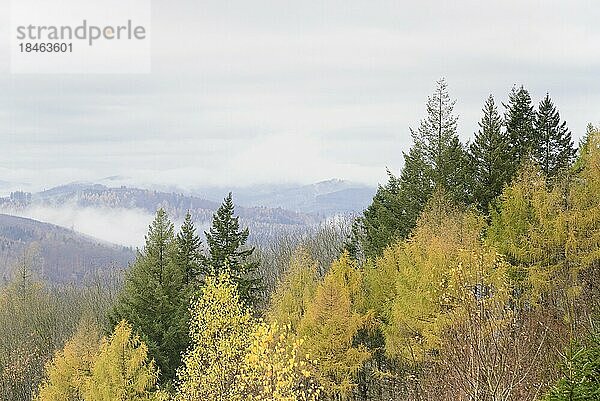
<point>330,326</point>
<point>554,151</point>
<point>154,298</point>
<point>490,156</point>
<point>229,254</point>
<point>71,367</point>
<point>122,370</point>
<point>295,290</point>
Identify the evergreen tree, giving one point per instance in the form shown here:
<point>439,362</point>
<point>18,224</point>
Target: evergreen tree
<point>554,151</point>
<point>228,252</point>
<point>154,298</point>
<point>189,256</point>
<point>519,119</point>
<point>581,372</point>
<point>437,159</point>
<point>437,140</point>
<point>490,155</point>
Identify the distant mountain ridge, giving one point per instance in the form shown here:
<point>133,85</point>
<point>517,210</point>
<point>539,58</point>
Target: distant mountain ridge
<point>61,255</point>
<point>323,199</point>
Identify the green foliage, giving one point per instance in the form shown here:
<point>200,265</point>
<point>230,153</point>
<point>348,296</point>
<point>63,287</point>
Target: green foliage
<point>554,150</point>
<point>490,156</point>
<point>189,256</point>
<point>155,297</point>
<point>437,160</point>
<point>228,252</point>
<point>581,373</point>
<point>519,119</point>
<point>438,143</point>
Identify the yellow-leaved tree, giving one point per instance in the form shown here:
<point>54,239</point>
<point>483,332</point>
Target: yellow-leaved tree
<point>330,325</point>
<point>220,330</point>
<point>295,291</point>
<point>443,265</point>
<point>122,371</point>
<point>71,367</point>
<point>276,368</point>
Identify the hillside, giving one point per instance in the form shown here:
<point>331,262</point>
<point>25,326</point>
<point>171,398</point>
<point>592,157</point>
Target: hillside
<point>53,253</point>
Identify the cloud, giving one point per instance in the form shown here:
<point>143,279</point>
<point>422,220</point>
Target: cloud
<point>119,226</point>
<point>243,92</point>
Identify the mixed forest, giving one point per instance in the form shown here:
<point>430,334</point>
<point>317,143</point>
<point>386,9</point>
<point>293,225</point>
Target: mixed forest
<point>473,275</point>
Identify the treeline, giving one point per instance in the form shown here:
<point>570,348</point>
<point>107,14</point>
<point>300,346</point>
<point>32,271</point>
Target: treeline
<point>474,173</point>
<point>474,275</point>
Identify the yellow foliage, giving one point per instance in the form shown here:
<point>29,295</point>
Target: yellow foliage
<point>220,329</point>
<point>330,325</point>
<point>71,367</point>
<point>295,291</point>
<point>440,268</point>
<point>276,369</point>
<point>121,371</point>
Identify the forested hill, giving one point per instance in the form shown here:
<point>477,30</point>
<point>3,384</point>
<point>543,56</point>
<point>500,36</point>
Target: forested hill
<point>176,204</point>
<point>54,253</point>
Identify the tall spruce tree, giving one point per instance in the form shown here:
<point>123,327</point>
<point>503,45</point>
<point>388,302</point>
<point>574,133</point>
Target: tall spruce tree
<point>437,160</point>
<point>189,255</point>
<point>438,142</point>
<point>154,298</point>
<point>229,254</point>
<point>490,156</point>
<point>554,151</point>
<point>519,119</point>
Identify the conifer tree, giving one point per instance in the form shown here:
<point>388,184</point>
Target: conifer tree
<point>330,326</point>
<point>229,254</point>
<point>554,151</point>
<point>189,256</point>
<point>438,142</point>
<point>71,367</point>
<point>122,370</point>
<point>519,119</point>
<point>154,298</point>
<point>490,155</point>
<point>437,159</point>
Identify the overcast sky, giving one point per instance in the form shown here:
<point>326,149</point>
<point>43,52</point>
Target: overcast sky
<point>245,92</point>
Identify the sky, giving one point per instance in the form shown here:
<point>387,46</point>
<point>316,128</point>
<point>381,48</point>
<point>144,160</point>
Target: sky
<point>246,92</point>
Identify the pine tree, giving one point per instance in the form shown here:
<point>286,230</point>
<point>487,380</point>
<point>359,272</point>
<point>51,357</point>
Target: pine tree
<point>228,252</point>
<point>554,151</point>
<point>154,298</point>
<point>490,155</point>
<point>189,256</point>
<point>519,119</point>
